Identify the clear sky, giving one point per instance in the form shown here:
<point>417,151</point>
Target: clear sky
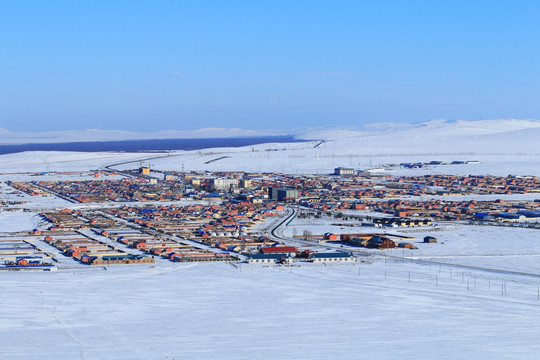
<point>156,65</point>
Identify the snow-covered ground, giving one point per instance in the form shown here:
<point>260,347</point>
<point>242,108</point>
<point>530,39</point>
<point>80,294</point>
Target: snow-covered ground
<point>214,311</point>
<point>503,147</point>
<point>461,298</point>
<point>19,220</point>
<point>45,161</point>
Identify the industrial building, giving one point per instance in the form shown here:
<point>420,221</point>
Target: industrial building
<point>342,171</point>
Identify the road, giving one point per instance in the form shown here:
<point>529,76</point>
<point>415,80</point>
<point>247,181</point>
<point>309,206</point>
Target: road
<point>57,194</point>
<point>176,238</point>
<point>277,233</point>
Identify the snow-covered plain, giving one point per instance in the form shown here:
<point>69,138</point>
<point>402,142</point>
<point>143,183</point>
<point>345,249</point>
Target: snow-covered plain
<point>214,311</point>
<point>459,299</point>
<point>18,220</point>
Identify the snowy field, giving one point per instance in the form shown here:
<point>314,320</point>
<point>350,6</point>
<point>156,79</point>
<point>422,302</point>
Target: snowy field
<point>19,220</point>
<point>214,311</point>
<point>461,298</point>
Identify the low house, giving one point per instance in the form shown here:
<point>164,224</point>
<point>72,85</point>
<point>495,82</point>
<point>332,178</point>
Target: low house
<point>381,242</point>
<point>430,239</point>
<point>333,257</point>
<point>330,237</point>
<point>359,241</point>
<point>141,245</point>
<point>406,245</point>
<point>283,250</point>
<point>28,261</point>
<point>268,258</point>
<point>121,259</point>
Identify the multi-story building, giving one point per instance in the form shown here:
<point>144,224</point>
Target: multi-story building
<point>223,184</point>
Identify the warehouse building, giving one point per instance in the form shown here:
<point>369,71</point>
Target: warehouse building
<point>342,171</point>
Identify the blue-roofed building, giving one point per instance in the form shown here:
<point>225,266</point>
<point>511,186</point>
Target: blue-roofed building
<point>529,213</point>
<point>483,216</point>
<point>509,216</point>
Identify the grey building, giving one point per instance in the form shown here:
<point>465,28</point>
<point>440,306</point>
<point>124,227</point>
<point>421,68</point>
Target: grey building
<point>282,194</point>
<point>223,184</point>
<point>341,171</point>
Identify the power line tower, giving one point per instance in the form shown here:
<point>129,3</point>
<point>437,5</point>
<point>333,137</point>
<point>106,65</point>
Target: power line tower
<point>183,182</point>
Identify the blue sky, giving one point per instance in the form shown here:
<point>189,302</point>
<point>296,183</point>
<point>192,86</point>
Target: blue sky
<point>157,65</point>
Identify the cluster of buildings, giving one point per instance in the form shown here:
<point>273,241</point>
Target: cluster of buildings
<point>29,188</point>
<point>344,171</point>
<point>457,210</point>
<point>418,165</point>
<point>229,230</point>
<point>196,232</point>
<point>289,254</point>
<point>479,184</point>
<point>164,247</point>
<point>98,191</point>
<point>225,227</point>
<point>373,240</point>
<point>18,251</point>
<point>69,234</point>
<point>345,187</point>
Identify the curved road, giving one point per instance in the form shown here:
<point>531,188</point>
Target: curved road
<point>356,251</point>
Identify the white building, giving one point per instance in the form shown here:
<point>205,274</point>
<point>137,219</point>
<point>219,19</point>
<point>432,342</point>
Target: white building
<point>333,257</point>
<point>341,171</point>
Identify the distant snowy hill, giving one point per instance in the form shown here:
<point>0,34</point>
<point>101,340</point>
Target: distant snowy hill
<point>502,147</point>
<point>424,131</point>
<point>434,133</point>
<point>12,138</point>
<point>482,136</point>
<point>438,127</point>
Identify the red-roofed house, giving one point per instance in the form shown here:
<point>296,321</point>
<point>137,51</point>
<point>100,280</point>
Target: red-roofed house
<point>280,250</point>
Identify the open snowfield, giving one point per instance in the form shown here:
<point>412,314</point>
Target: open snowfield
<point>214,311</point>
<point>44,161</point>
<point>18,220</point>
<point>474,294</point>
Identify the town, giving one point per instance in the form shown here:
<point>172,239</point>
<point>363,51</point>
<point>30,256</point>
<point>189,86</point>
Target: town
<point>143,216</point>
